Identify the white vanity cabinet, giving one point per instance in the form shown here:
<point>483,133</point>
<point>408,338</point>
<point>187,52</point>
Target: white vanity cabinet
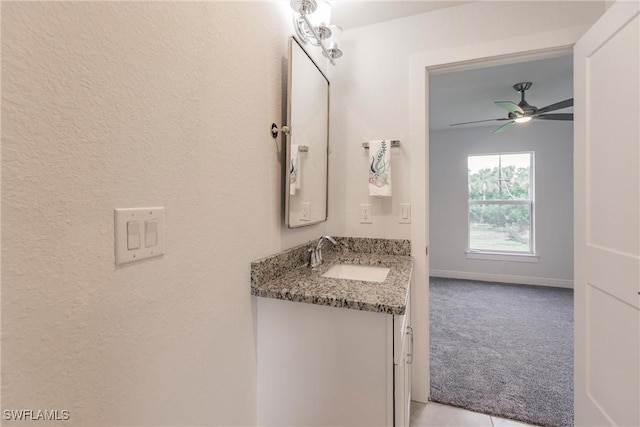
<point>325,366</point>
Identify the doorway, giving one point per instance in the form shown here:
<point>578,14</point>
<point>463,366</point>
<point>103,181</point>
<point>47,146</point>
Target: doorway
<point>421,66</point>
<point>501,211</point>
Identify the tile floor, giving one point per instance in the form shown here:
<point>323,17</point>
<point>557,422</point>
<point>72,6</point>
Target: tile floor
<point>437,415</point>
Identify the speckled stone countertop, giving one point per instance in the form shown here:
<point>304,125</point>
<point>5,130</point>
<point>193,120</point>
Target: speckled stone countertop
<point>286,275</point>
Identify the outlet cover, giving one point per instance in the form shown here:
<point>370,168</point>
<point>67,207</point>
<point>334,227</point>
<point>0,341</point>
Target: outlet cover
<point>365,214</point>
<point>305,214</point>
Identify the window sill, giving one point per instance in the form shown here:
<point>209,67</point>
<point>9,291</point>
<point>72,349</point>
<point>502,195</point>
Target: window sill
<point>497,256</point>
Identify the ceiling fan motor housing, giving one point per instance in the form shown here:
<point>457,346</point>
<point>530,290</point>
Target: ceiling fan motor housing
<point>528,109</point>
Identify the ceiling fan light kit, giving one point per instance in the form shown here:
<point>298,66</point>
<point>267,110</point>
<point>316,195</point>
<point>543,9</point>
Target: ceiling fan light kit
<point>523,112</point>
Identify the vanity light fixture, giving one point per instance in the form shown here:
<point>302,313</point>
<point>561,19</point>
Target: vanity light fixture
<point>312,26</point>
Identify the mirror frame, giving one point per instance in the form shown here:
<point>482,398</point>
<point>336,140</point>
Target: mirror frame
<point>287,164</point>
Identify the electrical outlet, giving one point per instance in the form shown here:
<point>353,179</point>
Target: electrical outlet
<point>505,265</point>
<point>365,214</point>
<point>306,211</point>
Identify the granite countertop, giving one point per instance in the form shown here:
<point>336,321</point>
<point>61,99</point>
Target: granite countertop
<point>286,276</point>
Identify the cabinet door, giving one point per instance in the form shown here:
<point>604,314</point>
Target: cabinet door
<point>323,366</point>
<point>400,370</point>
<point>403,344</point>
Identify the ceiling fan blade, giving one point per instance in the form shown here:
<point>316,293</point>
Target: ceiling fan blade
<point>477,121</point>
<point>557,106</point>
<point>560,116</point>
<point>511,107</point>
<point>503,127</point>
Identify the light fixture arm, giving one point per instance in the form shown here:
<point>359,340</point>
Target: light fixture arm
<point>315,34</point>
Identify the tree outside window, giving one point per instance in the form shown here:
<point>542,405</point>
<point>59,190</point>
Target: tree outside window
<point>501,203</point>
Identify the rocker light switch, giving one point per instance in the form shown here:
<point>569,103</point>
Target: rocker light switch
<point>133,235</point>
<point>150,233</point>
<point>139,234</point>
<point>405,213</point>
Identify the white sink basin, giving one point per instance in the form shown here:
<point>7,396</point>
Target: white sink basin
<point>365,273</point>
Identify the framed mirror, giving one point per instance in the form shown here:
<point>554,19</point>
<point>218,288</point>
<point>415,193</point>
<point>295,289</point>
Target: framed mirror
<point>307,143</point>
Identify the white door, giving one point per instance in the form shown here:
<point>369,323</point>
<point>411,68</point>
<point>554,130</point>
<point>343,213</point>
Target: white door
<point>607,220</point>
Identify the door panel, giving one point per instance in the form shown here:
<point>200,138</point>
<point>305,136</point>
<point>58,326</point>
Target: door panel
<point>612,360</point>
<point>612,143</point>
<point>607,220</point>
<point>614,272</point>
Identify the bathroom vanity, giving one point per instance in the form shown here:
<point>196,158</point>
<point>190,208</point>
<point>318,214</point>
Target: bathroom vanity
<point>334,343</point>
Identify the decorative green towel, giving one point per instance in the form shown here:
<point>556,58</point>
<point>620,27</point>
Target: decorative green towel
<point>380,168</point>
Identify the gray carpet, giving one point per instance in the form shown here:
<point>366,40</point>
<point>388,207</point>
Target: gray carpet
<point>504,350</point>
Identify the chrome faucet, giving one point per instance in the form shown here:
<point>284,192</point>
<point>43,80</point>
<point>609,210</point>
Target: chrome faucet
<point>316,253</point>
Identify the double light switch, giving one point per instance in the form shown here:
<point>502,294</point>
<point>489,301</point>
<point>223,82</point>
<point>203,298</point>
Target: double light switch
<point>139,234</point>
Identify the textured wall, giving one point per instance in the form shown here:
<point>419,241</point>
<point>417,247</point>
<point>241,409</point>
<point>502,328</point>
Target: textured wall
<point>552,143</point>
<point>132,104</point>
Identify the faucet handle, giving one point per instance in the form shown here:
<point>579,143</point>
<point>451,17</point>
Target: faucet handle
<point>316,252</point>
<point>313,262</point>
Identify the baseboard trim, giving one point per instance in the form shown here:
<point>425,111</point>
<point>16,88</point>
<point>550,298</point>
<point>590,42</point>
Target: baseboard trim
<point>503,278</point>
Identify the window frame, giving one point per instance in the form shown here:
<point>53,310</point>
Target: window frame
<point>474,253</point>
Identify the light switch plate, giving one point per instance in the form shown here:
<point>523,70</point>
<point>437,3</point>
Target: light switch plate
<point>405,213</point>
<point>122,217</point>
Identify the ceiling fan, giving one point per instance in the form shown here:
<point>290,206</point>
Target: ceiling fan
<point>523,112</point>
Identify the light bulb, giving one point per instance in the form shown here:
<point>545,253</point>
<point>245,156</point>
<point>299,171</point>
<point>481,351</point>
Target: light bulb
<point>336,36</point>
<point>524,119</point>
<point>333,51</point>
<point>322,15</point>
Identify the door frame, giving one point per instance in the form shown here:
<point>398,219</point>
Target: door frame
<point>421,65</point>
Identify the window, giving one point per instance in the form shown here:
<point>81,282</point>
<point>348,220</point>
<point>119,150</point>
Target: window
<point>501,203</point>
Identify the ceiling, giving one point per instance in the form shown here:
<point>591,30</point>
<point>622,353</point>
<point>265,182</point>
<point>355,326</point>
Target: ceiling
<point>469,95</point>
<point>357,13</point>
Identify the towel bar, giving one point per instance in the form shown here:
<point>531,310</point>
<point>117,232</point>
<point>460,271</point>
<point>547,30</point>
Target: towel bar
<point>394,143</point>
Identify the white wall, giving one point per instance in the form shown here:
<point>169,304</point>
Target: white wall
<point>132,104</point>
<point>370,98</point>
<point>552,144</point>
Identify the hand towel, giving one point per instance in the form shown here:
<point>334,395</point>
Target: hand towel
<point>294,179</point>
<point>380,168</point>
